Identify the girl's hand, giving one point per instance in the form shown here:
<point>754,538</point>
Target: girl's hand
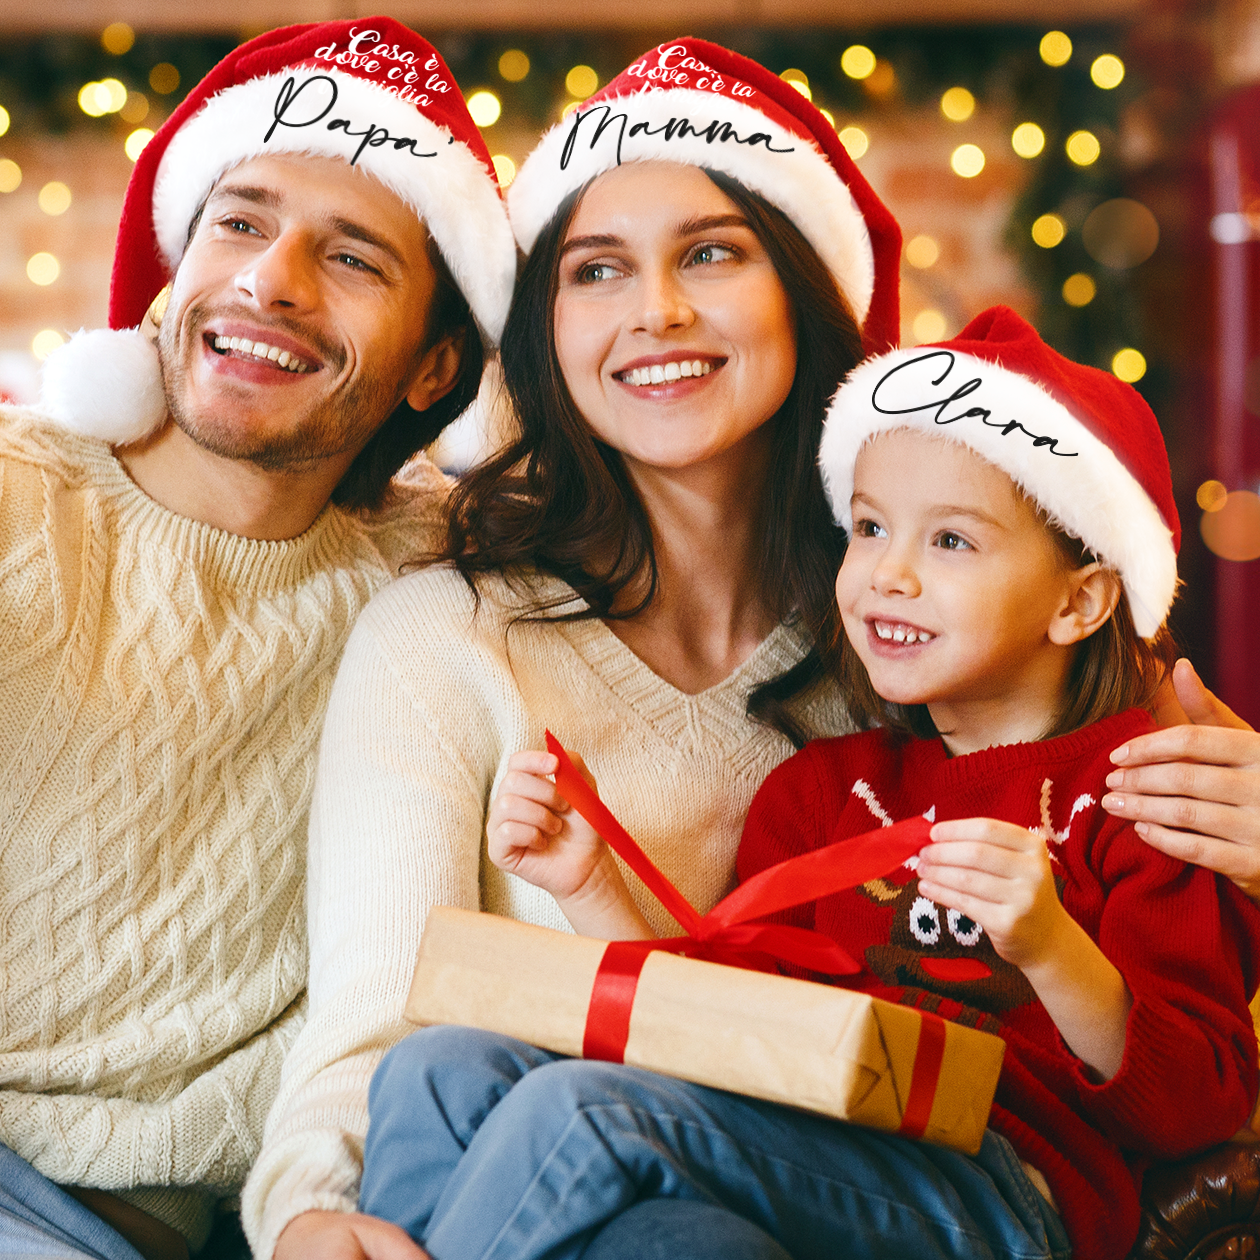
<point>533,832</point>
<point>998,875</point>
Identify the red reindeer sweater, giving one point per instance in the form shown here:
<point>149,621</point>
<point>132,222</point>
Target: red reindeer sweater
<point>1186,941</point>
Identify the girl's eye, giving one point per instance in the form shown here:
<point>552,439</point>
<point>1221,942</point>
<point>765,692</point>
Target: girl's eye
<point>951,541</point>
<point>868,529</point>
<point>703,255</point>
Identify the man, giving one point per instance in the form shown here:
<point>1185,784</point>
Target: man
<point>177,581</point>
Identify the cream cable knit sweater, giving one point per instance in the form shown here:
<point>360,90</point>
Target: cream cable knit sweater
<point>163,685</point>
<point>428,705</point>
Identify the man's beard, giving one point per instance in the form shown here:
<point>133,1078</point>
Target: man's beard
<point>333,426</point>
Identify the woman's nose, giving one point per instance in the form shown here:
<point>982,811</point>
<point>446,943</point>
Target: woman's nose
<point>284,275</point>
<point>662,302</point>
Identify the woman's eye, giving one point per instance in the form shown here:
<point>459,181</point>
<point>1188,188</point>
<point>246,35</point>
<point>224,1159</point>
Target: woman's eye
<point>593,273</point>
<point>706,254</point>
<point>951,541</point>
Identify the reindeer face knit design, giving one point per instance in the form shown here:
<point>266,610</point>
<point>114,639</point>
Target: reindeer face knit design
<point>163,685</point>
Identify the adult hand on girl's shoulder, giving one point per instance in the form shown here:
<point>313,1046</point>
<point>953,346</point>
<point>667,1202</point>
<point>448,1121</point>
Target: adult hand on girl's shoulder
<point>1193,790</point>
<point>345,1236</point>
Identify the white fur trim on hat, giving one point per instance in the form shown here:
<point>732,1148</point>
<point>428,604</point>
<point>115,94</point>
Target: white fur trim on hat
<point>1019,427</point>
<point>106,384</point>
<point>449,189</point>
<point>790,172</point>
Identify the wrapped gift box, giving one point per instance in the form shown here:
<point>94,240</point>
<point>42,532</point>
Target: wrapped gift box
<point>812,1046</point>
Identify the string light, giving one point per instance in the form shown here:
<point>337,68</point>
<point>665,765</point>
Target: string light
<point>929,325</point>
<point>857,61</point>
<point>133,146</point>
<point>1083,148</point>
<point>1028,140</point>
<point>485,108</point>
<point>1107,71</point>
<point>581,82</point>
<point>54,198</point>
<point>855,141</point>
<point>1079,290</point>
<point>1048,231</point>
<point>1129,364</point>
<point>800,81</point>
<point>504,169</point>
<point>4,120</point>
<point>922,251</point>
<point>513,65</point>
<point>967,160</point>
<point>106,97</point>
<point>1211,496</point>
<point>164,78</point>
<point>957,104</point>
<point>45,342</point>
<point>117,38</point>
<point>42,269</point>
<point>10,175</point>
<point>1055,48</point>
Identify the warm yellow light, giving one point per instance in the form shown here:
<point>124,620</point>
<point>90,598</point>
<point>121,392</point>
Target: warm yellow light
<point>504,169</point>
<point>856,141</point>
<point>1083,148</point>
<point>1056,48</point>
<point>958,104</point>
<point>45,342</point>
<point>1107,71</point>
<point>569,108</point>
<point>799,80</point>
<point>1211,496</point>
<point>830,117</point>
<point>114,95</point>
<point>1028,140</point>
<point>164,78</point>
<point>929,325</point>
<point>967,160</point>
<point>117,38</point>
<point>857,61</point>
<point>4,120</point>
<point>1129,364</point>
<point>1079,290</point>
<point>514,65</point>
<point>1048,231</point>
<point>581,82</point>
<point>136,109</point>
<point>10,175</point>
<point>922,251</point>
<point>42,269</point>
<point>90,102</point>
<point>484,108</point>
<point>1233,530</point>
<point>54,198</point>
<point>133,146</point>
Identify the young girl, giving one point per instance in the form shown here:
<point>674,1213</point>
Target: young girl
<point>1012,559</point>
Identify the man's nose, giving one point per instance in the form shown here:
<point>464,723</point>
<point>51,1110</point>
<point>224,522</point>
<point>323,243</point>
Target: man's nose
<point>662,304</point>
<point>284,275</point>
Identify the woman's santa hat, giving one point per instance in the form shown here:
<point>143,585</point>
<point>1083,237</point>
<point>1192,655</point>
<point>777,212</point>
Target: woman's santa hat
<point>698,104</point>
<point>368,91</point>
<point>1081,444</point>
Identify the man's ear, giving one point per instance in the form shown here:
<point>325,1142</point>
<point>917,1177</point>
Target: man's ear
<point>1092,593</point>
<point>437,372</point>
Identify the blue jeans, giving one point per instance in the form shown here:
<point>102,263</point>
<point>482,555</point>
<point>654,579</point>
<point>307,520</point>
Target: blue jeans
<point>483,1146</point>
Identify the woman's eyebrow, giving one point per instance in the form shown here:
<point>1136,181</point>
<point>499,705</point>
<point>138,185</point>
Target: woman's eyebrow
<point>590,242</point>
<point>707,223</point>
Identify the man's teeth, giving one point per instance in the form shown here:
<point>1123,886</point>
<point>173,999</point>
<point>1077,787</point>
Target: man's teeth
<point>261,350</point>
<point>902,634</point>
<point>660,373</point>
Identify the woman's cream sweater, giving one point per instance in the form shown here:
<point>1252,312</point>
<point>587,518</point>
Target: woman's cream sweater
<point>431,700</point>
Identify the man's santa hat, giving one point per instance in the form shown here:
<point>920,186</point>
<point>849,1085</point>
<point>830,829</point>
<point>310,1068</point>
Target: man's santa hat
<point>698,104</point>
<point>368,91</point>
<point>1081,444</point>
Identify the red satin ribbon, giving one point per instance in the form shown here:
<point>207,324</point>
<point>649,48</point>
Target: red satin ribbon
<point>927,1071</point>
<point>725,934</point>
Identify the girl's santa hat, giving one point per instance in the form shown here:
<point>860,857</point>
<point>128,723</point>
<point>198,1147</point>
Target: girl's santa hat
<point>368,91</point>
<point>1080,443</point>
<point>698,104</point>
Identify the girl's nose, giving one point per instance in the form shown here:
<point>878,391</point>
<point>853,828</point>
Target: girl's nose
<point>895,574</point>
<point>284,276</point>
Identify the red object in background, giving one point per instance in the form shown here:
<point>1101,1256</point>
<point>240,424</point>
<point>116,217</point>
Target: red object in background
<point>1234,163</point>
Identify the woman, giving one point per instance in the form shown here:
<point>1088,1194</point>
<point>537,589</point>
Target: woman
<point>648,569</point>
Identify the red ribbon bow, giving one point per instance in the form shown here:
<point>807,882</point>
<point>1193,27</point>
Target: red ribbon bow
<point>725,934</point>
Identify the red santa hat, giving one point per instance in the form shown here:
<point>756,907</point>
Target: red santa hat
<point>369,91</point>
<point>699,104</point>
<point>1080,443</point>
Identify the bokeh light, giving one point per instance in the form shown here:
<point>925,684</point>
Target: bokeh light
<point>42,269</point>
<point>929,325</point>
<point>45,342</point>
<point>1129,364</point>
<point>857,61</point>
<point>1120,233</point>
<point>1028,140</point>
<point>10,175</point>
<point>1211,496</point>
<point>855,141</point>
<point>967,160</point>
<point>799,80</point>
<point>136,108</point>
<point>957,104</point>
<point>829,116</point>
<point>133,146</point>
<point>581,82</point>
<point>117,38</point>
<point>1055,48</point>
<point>485,108</point>
<point>504,169</point>
<point>164,78</point>
<point>1233,530</point>
<point>514,65</point>
<point>54,198</point>
<point>922,251</point>
<point>1079,289</point>
<point>1107,71</point>
<point>1048,230</point>
<point>1083,148</point>
<point>106,97</point>
<point>4,120</point>
<point>881,81</point>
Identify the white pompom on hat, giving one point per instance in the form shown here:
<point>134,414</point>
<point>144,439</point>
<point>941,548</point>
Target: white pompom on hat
<point>1081,444</point>
<point>369,91</point>
<point>698,104</point>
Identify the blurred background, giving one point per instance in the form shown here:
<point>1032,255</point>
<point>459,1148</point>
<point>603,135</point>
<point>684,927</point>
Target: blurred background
<point>1093,163</point>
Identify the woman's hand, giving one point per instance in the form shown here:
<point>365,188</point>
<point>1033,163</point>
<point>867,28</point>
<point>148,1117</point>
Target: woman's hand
<point>1193,791</point>
<point>533,832</point>
<point>344,1236</point>
<point>999,875</point>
